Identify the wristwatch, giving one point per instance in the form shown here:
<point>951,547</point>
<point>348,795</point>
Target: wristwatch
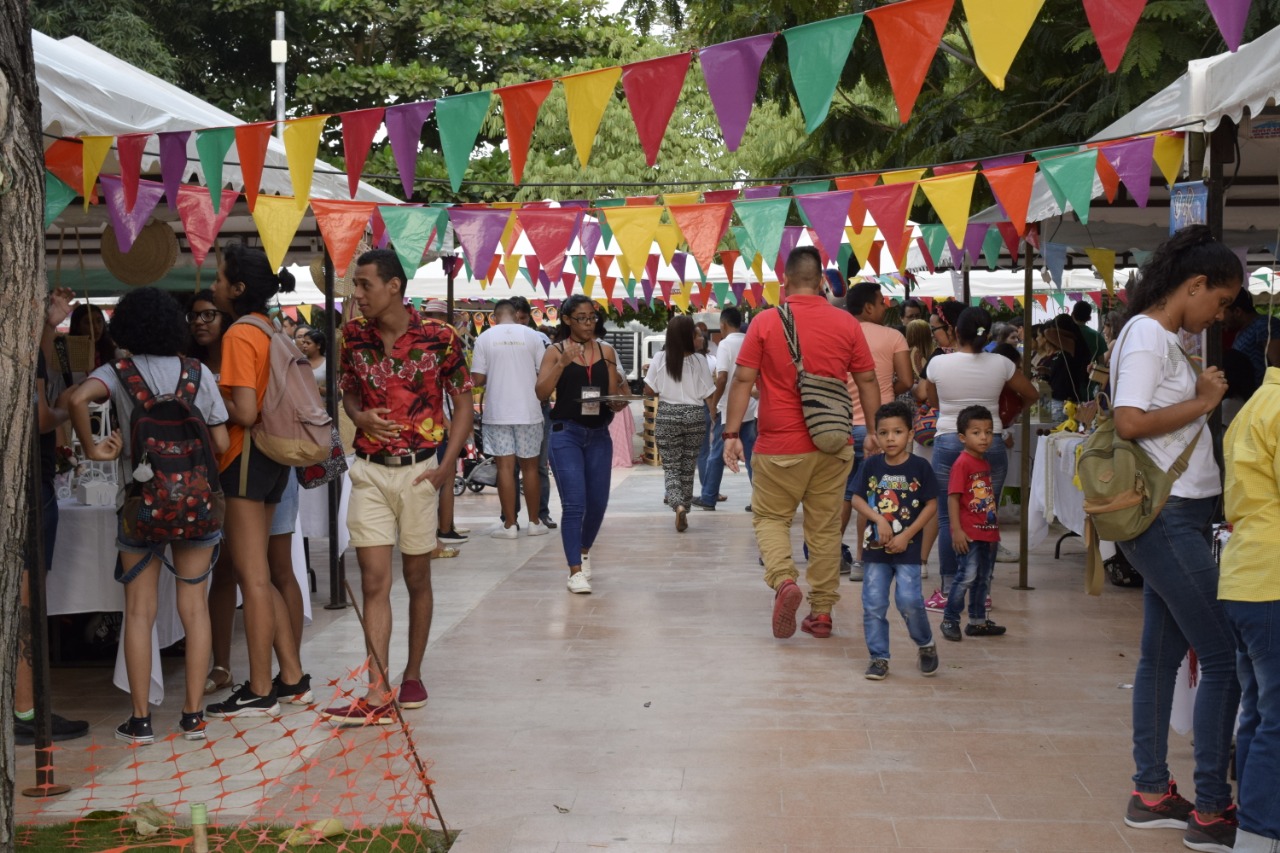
<point>728,435</point>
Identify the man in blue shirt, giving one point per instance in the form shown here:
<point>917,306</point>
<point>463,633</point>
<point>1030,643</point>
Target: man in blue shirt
<point>1257,336</point>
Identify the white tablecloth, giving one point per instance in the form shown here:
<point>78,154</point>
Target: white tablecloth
<point>1054,493</point>
<point>313,512</point>
<point>83,581</point>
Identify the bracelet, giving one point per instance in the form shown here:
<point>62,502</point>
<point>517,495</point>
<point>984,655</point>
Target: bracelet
<point>728,435</point>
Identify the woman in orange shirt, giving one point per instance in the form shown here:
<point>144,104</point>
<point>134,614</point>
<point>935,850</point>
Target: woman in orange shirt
<point>253,484</point>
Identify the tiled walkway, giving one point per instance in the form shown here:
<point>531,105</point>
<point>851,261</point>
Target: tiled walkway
<point>659,714</point>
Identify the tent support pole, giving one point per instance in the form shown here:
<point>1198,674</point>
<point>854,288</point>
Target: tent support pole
<point>1222,150</point>
<point>337,569</point>
<point>1025,437</point>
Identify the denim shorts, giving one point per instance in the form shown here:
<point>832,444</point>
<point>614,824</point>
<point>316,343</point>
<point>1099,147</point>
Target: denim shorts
<point>144,551</point>
<point>285,519</point>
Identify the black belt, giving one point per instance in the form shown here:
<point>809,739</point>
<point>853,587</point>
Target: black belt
<point>393,461</point>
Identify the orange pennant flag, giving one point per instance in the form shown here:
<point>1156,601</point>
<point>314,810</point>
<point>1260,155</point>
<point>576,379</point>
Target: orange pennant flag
<point>857,210</point>
<point>342,223</point>
<point>909,33</point>
<point>1012,187</point>
<point>251,147</point>
<point>520,106</point>
<point>703,226</point>
<point>1106,174</point>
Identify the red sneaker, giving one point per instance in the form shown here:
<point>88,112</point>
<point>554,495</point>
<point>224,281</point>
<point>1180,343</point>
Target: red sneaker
<point>360,713</point>
<point>412,694</point>
<point>785,604</point>
<point>817,624</point>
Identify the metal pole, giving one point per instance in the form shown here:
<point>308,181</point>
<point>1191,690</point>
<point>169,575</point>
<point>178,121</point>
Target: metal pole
<point>964,277</point>
<point>39,619</point>
<point>279,53</point>
<point>1222,150</point>
<point>337,568</point>
<point>1025,437</point>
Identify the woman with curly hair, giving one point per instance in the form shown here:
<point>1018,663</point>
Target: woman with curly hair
<point>149,324</point>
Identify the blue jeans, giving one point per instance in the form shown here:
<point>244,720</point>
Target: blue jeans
<point>946,450</point>
<point>715,462</point>
<point>704,452</point>
<point>1257,629</point>
<point>859,434</point>
<point>48,522</point>
<point>584,466</point>
<point>1180,611</point>
<point>973,576</point>
<point>875,604</point>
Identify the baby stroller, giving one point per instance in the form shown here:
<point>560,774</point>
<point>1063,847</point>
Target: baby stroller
<point>478,468</point>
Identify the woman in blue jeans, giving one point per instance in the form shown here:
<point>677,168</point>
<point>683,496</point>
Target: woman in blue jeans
<point>580,366</point>
<point>951,382</point>
<point>1161,402</point>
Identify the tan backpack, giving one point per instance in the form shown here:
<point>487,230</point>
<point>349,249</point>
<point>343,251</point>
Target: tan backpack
<point>293,428</point>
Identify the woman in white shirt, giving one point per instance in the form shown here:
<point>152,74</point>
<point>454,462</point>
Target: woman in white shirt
<point>1161,403</point>
<point>681,380</point>
<point>953,381</point>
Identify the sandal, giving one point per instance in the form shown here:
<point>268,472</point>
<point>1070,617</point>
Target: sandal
<point>213,685</point>
<point>445,553</point>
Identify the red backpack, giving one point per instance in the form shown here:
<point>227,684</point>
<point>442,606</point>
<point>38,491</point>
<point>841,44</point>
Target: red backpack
<point>294,428</point>
<point>175,493</point>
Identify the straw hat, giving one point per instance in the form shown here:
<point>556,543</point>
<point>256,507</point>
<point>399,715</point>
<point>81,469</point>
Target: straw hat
<point>152,256</point>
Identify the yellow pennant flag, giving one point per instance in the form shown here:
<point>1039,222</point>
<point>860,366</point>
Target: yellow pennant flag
<point>588,284</point>
<point>680,296</point>
<point>772,294</point>
<point>1104,261</point>
<point>511,267</point>
<point>94,150</point>
<point>997,29</point>
<point>305,312</point>
<point>509,237</point>
<point>668,238</point>
<point>277,218</point>
<point>757,267</point>
<point>301,142</point>
<point>902,176</point>
<point>634,229</point>
<point>586,96</point>
<point>861,242</point>
<point>624,270</point>
<point>681,198</point>
<point>603,302</point>
<point>951,197</point>
<point>1168,155</point>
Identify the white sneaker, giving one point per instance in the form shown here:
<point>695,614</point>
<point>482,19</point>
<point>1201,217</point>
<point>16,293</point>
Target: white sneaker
<point>536,529</point>
<point>511,532</point>
<point>1004,555</point>
<point>586,566</point>
<point>578,584</point>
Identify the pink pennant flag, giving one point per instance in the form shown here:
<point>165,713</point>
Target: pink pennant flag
<point>889,206</point>
<point>479,231</point>
<point>1230,16</point>
<point>953,168</point>
<point>732,73</point>
<point>1132,162</point>
<point>589,237</point>
<point>129,150</point>
<point>1002,161</point>
<point>652,88</point>
<point>128,224</point>
<point>720,196</point>
<point>200,225</point>
<point>646,286</point>
<point>826,213</point>
<point>404,130</point>
<point>651,266</point>
<point>753,193</point>
<point>358,129</point>
<point>550,230</point>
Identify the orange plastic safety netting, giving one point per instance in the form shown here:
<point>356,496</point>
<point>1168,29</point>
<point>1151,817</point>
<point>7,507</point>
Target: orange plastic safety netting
<point>264,781</point>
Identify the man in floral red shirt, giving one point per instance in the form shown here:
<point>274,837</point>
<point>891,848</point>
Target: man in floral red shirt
<point>396,370</point>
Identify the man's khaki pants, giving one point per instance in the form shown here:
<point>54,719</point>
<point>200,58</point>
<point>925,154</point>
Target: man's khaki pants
<point>815,481</point>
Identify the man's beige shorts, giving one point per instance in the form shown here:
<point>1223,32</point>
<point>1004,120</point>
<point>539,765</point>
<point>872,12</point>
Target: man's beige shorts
<point>384,501</point>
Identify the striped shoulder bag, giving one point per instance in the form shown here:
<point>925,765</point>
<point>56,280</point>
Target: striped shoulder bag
<point>824,400</point>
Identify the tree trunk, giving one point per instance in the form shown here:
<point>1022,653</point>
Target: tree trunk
<point>22,289</point>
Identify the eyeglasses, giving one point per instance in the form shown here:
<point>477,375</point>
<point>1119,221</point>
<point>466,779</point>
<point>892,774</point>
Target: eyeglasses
<point>583,318</point>
<point>205,317</point>
<point>936,329</point>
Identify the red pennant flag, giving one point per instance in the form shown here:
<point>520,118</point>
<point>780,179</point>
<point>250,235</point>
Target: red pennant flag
<point>1008,301</point>
<point>756,294</point>
<point>200,225</point>
<point>1043,299</point>
<point>641,200</point>
<point>251,146</point>
<point>729,257</point>
<point>953,168</point>
<point>617,304</point>
<point>608,282</point>
<point>857,210</point>
<point>720,196</point>
<point>342,223</point>
<point>520,106</point>
<point>889,207</point>
<point>358,129</point>
<point>494,265</point>
<point>873,259</point>
<point>534,267</point>
<point>550,231</point>
<point>1096,296</point>
<point>909,34</point>
<point>1012,241</point>
<point>1113,22</point>
<point>1012,188</point>
<point>569,280</point>
<point>603,262</point>
<point>651,268</point>
<point>925,253</point>
<point>703,227</point>
<point>129,151</point>
<point>652,88</point>
<point>698,297</point>
<point>665,286</point>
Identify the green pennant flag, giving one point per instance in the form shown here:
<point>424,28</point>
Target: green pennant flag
<point>57,195</point>
<point>606,233</point>
<point>1070,179</point>
<point>807,187</point>
<point>721,291</point>
<point>816,54</point>
<point>441,225</point>
<point>416,302</point>
<point>991,245</point>
<point>525,272</point>
<point>410,229</point>
<point>466,266</point>
<point>843,257</point>
<point>1050,153</point>
<point>579,266</point>
<point>460,118</point>
<point>743,239</point>
<point>935,240</point>
<point>631,288</point>
<point>1059,297</point>
<point>764,220</point>
<point>213,145</point>
<point>701,272</point>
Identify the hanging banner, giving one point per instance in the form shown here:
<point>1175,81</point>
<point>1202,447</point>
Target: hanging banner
<point>460,118</point>
<point>732,73</point>
<point>997,29</point>
<point>301,144</point>
<point>790,239</point>
<point>816,54</point>
<point>358,129</point>
<point>251,148</point>
<point>1188,205</point>
<point>520,107</point>
<point>1055,261</point>
<point>200,223</point>
<point>129,150</point>
<point>212,146</point>
<point>128,224</point>
<point>857,210</point>
<point>652,88</point>
<point>861,243</point>
<point>668,238</point>
<point>1168,154</point>
<point>909,33</point>
<point>1104,261</point>
<point>404,131</point>
<point>586,97</point>
<point>342,223</point>
<point>277,218</point>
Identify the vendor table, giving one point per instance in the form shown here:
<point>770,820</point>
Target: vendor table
<point>1054,493</point>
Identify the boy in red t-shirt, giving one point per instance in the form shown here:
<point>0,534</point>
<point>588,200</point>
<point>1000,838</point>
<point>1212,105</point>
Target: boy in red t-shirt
<point>975,530</point>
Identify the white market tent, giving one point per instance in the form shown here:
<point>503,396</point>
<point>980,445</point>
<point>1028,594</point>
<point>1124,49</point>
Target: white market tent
<point>87,91</point>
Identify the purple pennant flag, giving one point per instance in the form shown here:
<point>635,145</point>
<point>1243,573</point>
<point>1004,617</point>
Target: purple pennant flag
<point>790,237</point>
<point>173,163</point>
<point>678,261</point>
<point>1003,160</point>
<point>589,237</point>
<point>732,72</point>
<point>1132,162</point>
<point>957,256</point>
<point>545,281</point>
<point>478,232</point>
<point>974,235</point>
<point>575,204</point>
<point>128,224</point>
<point>737,287</point>
<point>753,193</point>
<point>404,130</point>
<point>1230,16</point>
<point>826,214</point>
<point>634,303</point>
<point>647,287</point>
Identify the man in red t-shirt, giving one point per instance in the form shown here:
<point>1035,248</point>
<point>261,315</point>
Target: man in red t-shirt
<point>789,471</point>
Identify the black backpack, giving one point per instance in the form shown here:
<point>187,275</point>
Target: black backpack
<point>175,493</point>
